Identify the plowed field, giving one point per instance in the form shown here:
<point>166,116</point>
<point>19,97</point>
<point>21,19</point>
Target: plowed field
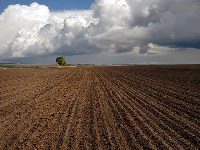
<point>135,107</point>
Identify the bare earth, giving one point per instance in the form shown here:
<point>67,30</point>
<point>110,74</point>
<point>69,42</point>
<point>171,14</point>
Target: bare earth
<point>135,107</point>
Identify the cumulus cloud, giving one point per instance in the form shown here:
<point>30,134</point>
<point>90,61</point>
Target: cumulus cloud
<point>116,26</point>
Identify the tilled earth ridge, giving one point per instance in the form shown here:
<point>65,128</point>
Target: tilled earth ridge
<point>132,107</point>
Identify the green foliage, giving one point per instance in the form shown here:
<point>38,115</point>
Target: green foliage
<point>61,61</point>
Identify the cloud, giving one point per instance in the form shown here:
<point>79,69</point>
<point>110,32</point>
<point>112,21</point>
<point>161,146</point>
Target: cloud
<point>16,17</point>
<point>115,26</point>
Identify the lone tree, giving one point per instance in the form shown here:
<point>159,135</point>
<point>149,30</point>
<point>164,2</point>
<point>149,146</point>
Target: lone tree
<point>61,61</point>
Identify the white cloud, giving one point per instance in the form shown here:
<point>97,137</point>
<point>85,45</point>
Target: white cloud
<point>115,26</point>
<point>16,17</point>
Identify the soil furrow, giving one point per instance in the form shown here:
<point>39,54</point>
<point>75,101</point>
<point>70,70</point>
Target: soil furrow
<point>105,108</point>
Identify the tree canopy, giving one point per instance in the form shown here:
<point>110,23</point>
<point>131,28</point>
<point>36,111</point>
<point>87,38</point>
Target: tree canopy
<point>61,61</point>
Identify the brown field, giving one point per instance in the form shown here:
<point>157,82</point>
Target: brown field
<point>133,107</point>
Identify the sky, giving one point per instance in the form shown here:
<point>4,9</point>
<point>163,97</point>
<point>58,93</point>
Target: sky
<point>52,4</point>
<point>100,32</point>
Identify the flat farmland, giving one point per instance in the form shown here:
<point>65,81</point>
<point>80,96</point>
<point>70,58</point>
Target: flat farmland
<point>106,108</point>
